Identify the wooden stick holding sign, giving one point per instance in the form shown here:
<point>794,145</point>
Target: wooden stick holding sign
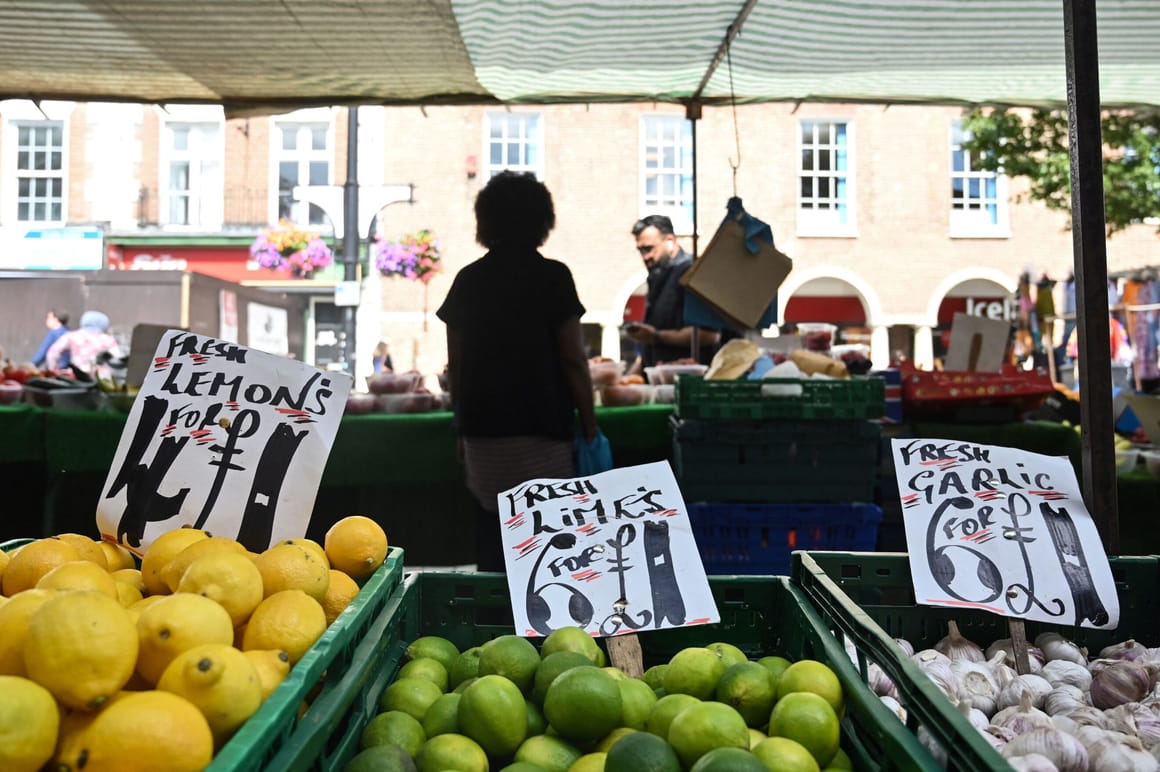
<point>602,553</point>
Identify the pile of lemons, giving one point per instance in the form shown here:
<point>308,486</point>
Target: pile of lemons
<point>105,665</point>
<point>560,708</point>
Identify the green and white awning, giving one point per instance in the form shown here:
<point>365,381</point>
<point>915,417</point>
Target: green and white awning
<point>261,54</point>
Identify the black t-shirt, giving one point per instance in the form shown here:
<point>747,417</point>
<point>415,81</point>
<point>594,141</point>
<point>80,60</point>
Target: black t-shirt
<point>507,308</point>
<point>665,310</point>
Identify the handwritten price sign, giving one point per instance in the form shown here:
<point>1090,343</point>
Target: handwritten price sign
<point>612,553</point>
<point>1002,530</point>
<point>224,438</point>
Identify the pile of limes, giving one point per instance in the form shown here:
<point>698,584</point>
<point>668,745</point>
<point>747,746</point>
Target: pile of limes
<point>106,665</point>
<point>507,706</point>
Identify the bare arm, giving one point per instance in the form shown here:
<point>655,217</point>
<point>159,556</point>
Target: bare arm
<point>575,364</point>
<point>682,336</point>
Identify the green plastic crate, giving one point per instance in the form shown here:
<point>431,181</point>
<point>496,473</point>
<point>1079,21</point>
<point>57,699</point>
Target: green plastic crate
<point>869,597</point>
<point>776,461</point>
<point>743,400</point>
<point>761,615</point>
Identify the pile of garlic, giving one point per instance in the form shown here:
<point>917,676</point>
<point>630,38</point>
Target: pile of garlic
<point>1069,714</point>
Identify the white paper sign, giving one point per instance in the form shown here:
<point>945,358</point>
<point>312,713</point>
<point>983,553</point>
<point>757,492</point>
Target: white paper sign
<point>1002,530</point>
<point>224,438</point>
<point>577,549</point>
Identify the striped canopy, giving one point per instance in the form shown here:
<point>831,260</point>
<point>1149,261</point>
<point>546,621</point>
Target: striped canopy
<point>261,54</point>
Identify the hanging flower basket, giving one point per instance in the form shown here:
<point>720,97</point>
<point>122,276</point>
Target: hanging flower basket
<point>286,248</point>
<point>416,256</point>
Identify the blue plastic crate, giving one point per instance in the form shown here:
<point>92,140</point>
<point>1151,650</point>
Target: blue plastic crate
<point>758,538</point>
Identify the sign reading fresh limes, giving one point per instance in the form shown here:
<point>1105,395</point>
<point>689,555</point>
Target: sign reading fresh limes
<point>1002,530</point>
<point>611,553</point>
<point>223,438</point>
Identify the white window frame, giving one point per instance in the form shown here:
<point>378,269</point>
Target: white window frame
<point>976,223</point>
<point>305,121</point>
<point>205,157</point>
<point>60,174</point>
<point>525,131</point>
<point>676,200</point>
<point>827,222</point>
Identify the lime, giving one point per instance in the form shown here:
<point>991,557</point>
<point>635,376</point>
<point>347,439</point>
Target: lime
<point>781,753</point>
<point>840,761</point>
<point>548,753</point>
<point>443,716</point>
<point>583,704</point>
<point>665,711</point>
<point>700,728</point>
<point>512,657</point>
<point>394,727</point>
<point>410,695</point>
<point>426,667</point>
<point>573,639</point>
<point>612,738</point>
<point>637,700</point>
<point>694,671</point>
<point>655,676</point>
<point>641,752</point>
<point>809,720</point>
<point>452,751</point>
<point>807,675</point>
<point>589,762</point>
<point>750,689</point>
<point>729,760</point>
<point>523,766</point>
<point>465,666</point>
<point>492,712</point>
<point>434,647</point>
<point>551,666</point>
<point>615,672</point>
<point>464,684</point>
<point>537,724</point>
<point>729,653</point>
<point>381,758</point>
<point>755,736</point>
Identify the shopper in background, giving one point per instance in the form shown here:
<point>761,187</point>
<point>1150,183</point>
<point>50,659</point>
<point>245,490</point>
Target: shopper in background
<point>664,336</point>
<point>85,345</point>
<point>57,324</point>
<point>516,417</point>
<point>381,358</point>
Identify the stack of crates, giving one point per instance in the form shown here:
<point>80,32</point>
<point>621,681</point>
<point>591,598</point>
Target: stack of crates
<point>771,466</point>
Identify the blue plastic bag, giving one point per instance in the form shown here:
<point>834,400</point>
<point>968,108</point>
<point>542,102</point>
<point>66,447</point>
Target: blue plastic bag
<point>592,457</point>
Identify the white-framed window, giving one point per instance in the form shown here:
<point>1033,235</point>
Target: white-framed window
<point>40,171</point>
<point>978,198</point>
<point>192,185</point>
<point>666,179</point>
<point>304,155</point>
<point>826,178</point>
<point>514,141</point>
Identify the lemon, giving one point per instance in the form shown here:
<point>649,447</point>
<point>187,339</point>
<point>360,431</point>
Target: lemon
<point>32,561</point>
<point>79,575</point>
<point>272,667</point>
<point>70,739</point>
<point>583,704</point>
<point>492,712</point>
<point>394,727</point>
<point>130,576</point>
<point>164,549</point>
<point>694,671</point>
<point>807,718</point>
<point>173,625</point>
<point>428,668</point>
<point>127,594</point>
<point>339,594</point>
<point>88,549</point>
<point>356,545</point>
<point>29,723</point>
<point>289,620</point>
<point>434,647</point>
<point>293,567</point>
<point>220,681</point>
<point>117,558</point>
<point>512,657</point>
<point>807,675</point>
<point>782,753</point>
<point>172,571</point>
<point>548,753</point>
<point>700,728</point>
<point>146,732</point>
<point>314,547</point>
<point>4,558</point>
<point>641,751</point>
<point>81,646</point>
<point>14,618</point>
<point>229,578</point>
<point>452,751</point>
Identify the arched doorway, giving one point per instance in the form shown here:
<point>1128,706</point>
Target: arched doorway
<point>833,301</point>
<point>990,297</point>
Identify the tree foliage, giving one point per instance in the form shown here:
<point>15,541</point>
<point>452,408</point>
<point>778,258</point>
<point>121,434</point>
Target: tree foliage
<point>1035,146</point>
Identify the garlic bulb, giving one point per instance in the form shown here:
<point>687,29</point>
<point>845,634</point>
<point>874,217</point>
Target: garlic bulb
<point>931,743</point>
<point>1135,720</point>
<point>956,647</point>
<point>1129,649</point>
<point>1021,718</point>
<point>999,735</point>
<point>1005,646</point>
<point>975,717</point>
<point>1113,752</point>
<point>926,656</point>
<point>977,684</point>
<point>944,678</point>
<point>906,646</point>
<point>1062,750</point>
<point>1032,762</point>
<point>879,682</point>
<point>895,707</point>
<point>1012,693</point>
<point>1062,699</point>
<point>1055,646</point>
<point>1062,671</point>
<point>1086,715</point>
<point>1120,682</point>
<point>1065,723</point>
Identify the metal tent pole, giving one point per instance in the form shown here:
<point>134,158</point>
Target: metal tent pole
<point>350,234</point>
